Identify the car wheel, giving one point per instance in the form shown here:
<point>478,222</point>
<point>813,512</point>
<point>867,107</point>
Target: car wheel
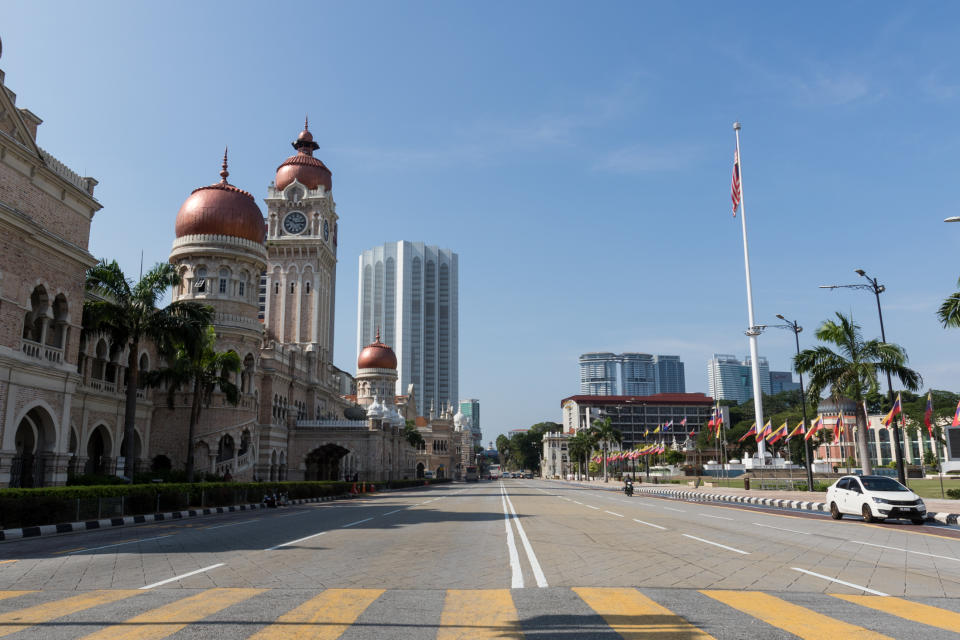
<point>867,514</point>
<point>835,511</point>
<point>918,521</point>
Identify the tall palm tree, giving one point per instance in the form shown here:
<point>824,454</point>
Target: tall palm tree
<point>851,371</point>
<point>949,312</point>
<point>605,434</point>
<point>128,313</point>
<point>197,362</point>
<point>579,448</point>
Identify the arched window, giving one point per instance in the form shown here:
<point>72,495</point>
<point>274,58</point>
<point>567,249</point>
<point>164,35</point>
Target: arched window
<point>276,287</point>
<point>224,279</point>
<point>200,282</point>
<point>293,287</point>
<point>306,287</point>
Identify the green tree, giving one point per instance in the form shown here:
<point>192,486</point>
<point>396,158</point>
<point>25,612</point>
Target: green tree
<point>128,313</point>
<point>526,447</point>
<point>851,371</point>
<point>579,448</point>
<point>605,434</point>
<point>949,312</point>
<point>198,362</point>
<point>673,457</point>
<point>412,435</point>
<point>503,447</point>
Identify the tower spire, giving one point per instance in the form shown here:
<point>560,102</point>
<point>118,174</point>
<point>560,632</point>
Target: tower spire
<point>224,173</point>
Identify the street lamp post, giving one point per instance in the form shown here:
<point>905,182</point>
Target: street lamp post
<point>807,454</point>
<point>877,289</point>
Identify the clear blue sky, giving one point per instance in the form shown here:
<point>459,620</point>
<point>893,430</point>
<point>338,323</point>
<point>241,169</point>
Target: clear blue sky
<point>576,155</point>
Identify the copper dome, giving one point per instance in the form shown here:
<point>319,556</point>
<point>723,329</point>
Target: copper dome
<point>303,167</point>
<point>221,209</point>
<point>377,356</point>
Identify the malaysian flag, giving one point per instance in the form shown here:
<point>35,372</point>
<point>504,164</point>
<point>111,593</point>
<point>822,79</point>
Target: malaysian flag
<point>735,184</point>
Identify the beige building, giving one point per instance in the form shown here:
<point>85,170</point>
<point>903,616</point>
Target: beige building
<point>271,281</point>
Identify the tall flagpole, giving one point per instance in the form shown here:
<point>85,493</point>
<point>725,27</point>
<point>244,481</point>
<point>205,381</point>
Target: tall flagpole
<point>752,331</point>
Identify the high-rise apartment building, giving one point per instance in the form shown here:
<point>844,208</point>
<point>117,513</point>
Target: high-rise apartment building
<point>732,379</point>
<point>470,409</point>
<point>409,291</point>
<point>782,381</point>
<point>630,374</point>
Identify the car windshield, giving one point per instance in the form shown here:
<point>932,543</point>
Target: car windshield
<point>882,484</point>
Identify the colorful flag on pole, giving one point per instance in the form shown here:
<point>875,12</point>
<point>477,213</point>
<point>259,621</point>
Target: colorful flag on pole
<point>735,195</point>
<point>713,418</point>
<point>752,431</point>
<point>797,431</point>
<point>668,425</point>
<point>956,417</point>
<point>928,414</point>
<point>646,432</point>
<point>691,433</point>
<point>894,410</point>
<point>838,428</point>
<point>816,426</point>
<point>778,433</point>
<point>657,430</point>
<point>763,433</point>
<point>683,422</point>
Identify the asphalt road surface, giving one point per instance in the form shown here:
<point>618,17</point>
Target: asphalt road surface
<point>508,559</point>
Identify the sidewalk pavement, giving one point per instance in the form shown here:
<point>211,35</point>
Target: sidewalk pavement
<point>944,511</point>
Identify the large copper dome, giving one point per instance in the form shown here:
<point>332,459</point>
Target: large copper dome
<point>221,209</point>
<point>303,167</point>
<point>377,356</point>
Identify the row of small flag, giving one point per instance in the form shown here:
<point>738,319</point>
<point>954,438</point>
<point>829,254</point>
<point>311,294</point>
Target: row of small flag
<point>649,450</point>
<point>667,426</point>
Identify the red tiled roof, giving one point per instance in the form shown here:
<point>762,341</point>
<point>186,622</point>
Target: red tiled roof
<point>656,399</point>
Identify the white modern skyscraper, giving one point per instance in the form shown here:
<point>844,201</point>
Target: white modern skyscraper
<point>409,291</point>
<point>731,379</point>
<point>641,374</point>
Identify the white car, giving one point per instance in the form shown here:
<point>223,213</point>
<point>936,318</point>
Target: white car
<point>876,498</point>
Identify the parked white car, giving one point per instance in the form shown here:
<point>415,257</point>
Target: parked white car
<point>876,498</point>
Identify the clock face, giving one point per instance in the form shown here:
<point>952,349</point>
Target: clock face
<point>295,222</point>
<point>326,230</point>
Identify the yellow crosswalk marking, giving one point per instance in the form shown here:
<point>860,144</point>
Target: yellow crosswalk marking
<point>479,615</point>
<point>166,620</point>
<point>923,613</point>
<point>6,561</point>
<point>23,618</point>
<point>13,594</point>
<point>634,615</point>
<point>798,620</point>
<point>324,617</point>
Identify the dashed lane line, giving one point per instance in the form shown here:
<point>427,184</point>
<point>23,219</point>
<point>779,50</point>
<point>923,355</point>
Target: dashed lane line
<point>707,515</point>
<point>619,515</point>
<point>592,507</point>
<point>839,581</point>
<point>672,509</point>
<point>650,524</point>
<point>770,526</point>
<point>182,576</point>
<point>287,544</point>
<point>919,553</point>
<point>716,544</point>
<point>357,522</point>
<point>120,544</point>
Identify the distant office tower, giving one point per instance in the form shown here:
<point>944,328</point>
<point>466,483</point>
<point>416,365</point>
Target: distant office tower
<point>732,379</point>
<point>598,374</point>
<point>782,381</point>
<point>409,291</point>
<point>640,374</point>
<point>470,409</point>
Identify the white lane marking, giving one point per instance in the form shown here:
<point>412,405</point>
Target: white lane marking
<point>236,524</point>
<point>181,577</point>
<point>650,524</point>
<point>614,514</point>
<point>516,574</point>
<point>393,512</point>
<point>577,502</point>
<point>290,515</point>
<point>531,556</point>
<point>921,553</point>
<point>592,507</point>
<point>357,522</point>
<point>287,544</point>
<point>119,544</point>
<point>717,544</point>
<point>672,509</point>
<point>707,515</point>
<point>770,526</point>
<point>847,584</point>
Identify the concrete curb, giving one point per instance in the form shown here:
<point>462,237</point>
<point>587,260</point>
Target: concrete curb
<point>109,523</point>
<point>799,505</point>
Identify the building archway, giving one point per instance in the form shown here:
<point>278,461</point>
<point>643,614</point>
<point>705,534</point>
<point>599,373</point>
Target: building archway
<point>98,449</point>
<point>323,463</point>
<point>420,469</point>
<point>34,440</point>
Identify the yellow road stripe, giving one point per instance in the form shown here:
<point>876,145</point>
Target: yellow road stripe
<point>13,594</point>
<point>323,617</point>
<point>922,613</point>
<point>798,620</point>
<point>168,619</point>
<point>6,561</point>
<point>634,615</point>
<point>24,618</point>
<point>479,615</point>
<point>69,550</point>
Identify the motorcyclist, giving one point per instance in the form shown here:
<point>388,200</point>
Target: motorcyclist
<point>628,486</point>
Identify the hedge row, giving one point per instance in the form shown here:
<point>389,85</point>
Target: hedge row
<point>55,505</point>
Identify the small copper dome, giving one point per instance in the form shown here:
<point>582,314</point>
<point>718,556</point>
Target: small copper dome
<point>221,209</point>
<point>303,167</point>
<point>377,356</point>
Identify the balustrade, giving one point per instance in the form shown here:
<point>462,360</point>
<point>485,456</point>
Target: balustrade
<point>41,352</point>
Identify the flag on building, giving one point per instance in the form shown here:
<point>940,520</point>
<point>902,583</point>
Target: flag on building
<point>797,431</point>
<point>683,422</point>
<point>894,410</point>
<point>646,432</point>
<point>691,433</point>
<point>763,433</point>
<point>668,425</point>
<point>657,430</point>
<point>735,195</point>
<point>928,414</point>
<point>752,431</point>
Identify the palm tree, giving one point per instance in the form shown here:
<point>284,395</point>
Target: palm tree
<point>197,361</point>
<point>605,434</point>
<point>128,313</point>
<point>949,312</point>
<point>851,371</point>
<point>503,448</point>
<point>579,448</point>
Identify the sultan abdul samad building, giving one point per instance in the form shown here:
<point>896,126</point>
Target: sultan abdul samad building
<point>271,281</point>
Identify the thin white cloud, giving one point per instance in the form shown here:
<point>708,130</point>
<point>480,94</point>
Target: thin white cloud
<point>647,159</point>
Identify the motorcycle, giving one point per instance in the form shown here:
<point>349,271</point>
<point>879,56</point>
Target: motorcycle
<point>628,488</point>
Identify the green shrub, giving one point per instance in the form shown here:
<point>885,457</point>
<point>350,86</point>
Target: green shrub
<point>954,493</point>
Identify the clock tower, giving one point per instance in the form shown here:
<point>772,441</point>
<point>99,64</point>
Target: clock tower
<point>298,286</point>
